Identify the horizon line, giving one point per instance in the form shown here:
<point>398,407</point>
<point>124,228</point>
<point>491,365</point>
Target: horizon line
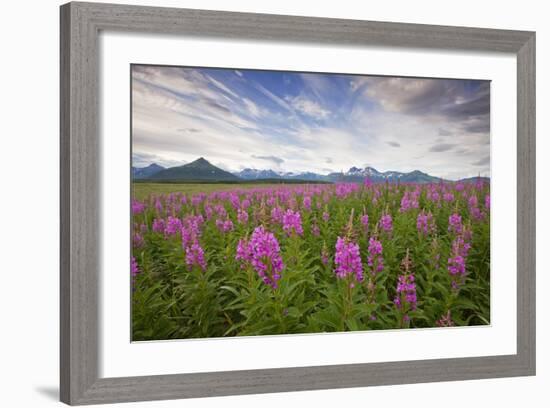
<point>304,172</point>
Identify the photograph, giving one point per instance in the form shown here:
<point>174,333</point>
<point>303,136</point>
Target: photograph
<point>267,202</point>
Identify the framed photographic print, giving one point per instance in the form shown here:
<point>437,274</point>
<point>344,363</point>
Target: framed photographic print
<point>259,203</point>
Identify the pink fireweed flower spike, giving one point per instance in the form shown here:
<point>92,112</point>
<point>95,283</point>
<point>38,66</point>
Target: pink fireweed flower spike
<point>242,216</point>
<point>243,253</point>
<point>375,259</point>
<point>137,240</point>
<point>224,225</point>
<point>194,256</point>
<point>456,263</point>
<point>158,225</point>
<point>137,207</point>
<point>134,271</point>
<point>409,201</point>
<point>365,222</point>
<point>405,299</point>
<point>455,223</point>
<point>386,223</point>
<point>209,211</point>
<point>158,205</point>
<point>134,268</point>
<point>475,211</point>
<point>476,214</point>
<point>187,237</point>
<point>457,266</point>
<point>307,203</point>
<point>348,260</point>
<point>292,222</point>
<point>262,252</point>
<point>245,204</point>
<point>448,197</point>
<point>425,223</point>
<point>173,226</point>
<point>277,215</point>
<point>406,292</point>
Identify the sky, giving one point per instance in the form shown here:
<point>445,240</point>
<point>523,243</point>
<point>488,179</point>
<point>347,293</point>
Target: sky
<point>295,122</point>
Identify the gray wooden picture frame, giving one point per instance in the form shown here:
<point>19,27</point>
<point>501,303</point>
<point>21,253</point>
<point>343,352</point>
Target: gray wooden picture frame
<point>81,24</point>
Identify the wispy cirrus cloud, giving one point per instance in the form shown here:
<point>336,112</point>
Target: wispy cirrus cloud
<point>189,130</point>
<point>308,107</point>
<point>441,147</point>
<point>274,159</point>
<point>482,162</point>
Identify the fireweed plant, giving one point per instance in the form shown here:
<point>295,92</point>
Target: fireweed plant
<point>310,258</point>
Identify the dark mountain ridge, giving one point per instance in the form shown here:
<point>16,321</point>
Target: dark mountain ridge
<point>200,169</point>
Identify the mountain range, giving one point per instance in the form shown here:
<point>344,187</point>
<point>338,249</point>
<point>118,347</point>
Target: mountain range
<point>354,175</point>
<point>202,170</point>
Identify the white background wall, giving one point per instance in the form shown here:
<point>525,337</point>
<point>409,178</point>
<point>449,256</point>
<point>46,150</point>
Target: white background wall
<point>29,202</point>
